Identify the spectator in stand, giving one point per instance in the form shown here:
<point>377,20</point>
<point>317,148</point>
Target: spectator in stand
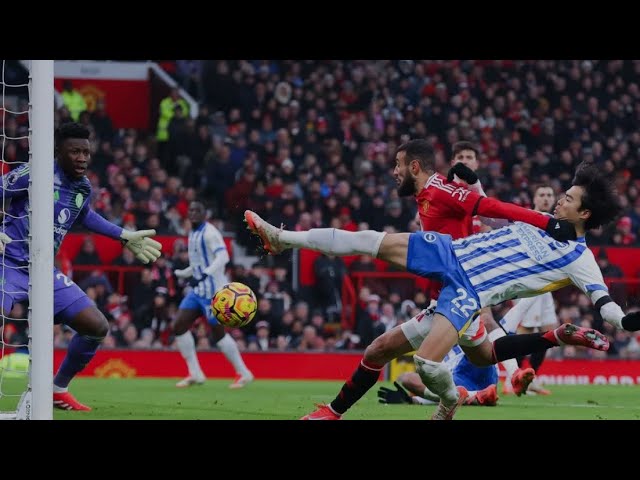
<point>73,100</point>
<point>102,123</point>
<point>87,254</point>
<point>617,290</point>
<point>623,235</point>
<point>167,110</point>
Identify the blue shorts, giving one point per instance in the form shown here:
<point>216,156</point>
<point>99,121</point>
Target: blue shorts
<point>431,255</point>
<point>68,298</point>
<point>196,302</point>
<point>472,377</point>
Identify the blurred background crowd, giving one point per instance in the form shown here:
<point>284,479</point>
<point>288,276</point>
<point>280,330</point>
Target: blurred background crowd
<point>310,144</point>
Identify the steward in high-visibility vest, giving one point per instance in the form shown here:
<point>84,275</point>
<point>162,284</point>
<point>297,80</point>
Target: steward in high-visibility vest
<point>167,106</point>
<point>73,100</point>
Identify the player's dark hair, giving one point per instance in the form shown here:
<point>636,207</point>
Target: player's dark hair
<point>464,145</point>
<point>71,130</point>
<point>600,196</point>
<point>421,151</point>
<point>543,185</point>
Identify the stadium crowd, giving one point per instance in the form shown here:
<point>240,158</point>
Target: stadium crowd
<point>310,144</point>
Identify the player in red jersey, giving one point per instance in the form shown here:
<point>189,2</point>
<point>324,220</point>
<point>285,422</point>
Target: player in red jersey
<point>413,175</point>
<point>436,214</point>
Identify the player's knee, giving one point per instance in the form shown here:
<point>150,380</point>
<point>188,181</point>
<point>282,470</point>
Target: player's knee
<point>98,325</point>
<point>378,351</point>
<point>180,327</point>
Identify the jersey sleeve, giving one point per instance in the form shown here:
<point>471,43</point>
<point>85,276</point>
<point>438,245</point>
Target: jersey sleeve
<point>15,183</point>
<point>586,275</point>
<point>217,249</point>
<point>494,208</point>
<point>456,199</point>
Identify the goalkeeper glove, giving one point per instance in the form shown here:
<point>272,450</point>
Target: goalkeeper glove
<point>463,172</point>
<point>561,230</point>
<point>387,395</point>
<point>145,249</point>
<point>4,239</point>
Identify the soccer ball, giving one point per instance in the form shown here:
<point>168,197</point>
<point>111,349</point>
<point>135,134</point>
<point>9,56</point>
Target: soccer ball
<point>234,305</point>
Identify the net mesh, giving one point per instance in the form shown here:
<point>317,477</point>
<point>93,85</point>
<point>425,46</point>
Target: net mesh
<point>14,160</point>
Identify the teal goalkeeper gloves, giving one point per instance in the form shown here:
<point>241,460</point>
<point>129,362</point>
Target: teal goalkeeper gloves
<point>145,249</point>
<point>4,239</point>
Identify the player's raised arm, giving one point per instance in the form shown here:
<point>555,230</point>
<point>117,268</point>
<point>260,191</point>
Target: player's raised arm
<point>494,208</point>
<point>145,248</point>
<point>586,275</point>
<point>475,204</point>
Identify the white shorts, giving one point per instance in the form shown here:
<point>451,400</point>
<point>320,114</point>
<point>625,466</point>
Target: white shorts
<point>531,312</point>
<point>419,326</point>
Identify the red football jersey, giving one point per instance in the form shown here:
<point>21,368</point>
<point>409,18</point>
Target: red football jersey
<point>446,207</point>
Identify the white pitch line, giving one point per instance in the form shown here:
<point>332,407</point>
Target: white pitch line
<point>574,405</point>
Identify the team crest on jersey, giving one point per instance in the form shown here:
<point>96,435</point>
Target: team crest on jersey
<point>79,200</point>
<point>429,237</point>
<point>11,178</point>
<point>424,206</point>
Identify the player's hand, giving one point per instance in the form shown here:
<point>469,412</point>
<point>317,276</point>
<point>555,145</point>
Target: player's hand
<point>194,282</point>
<point>4,239</point>
<point>145,249</point>
<point>561,230</point>
<point>631,322</point>
<point>463,172</point>
<point>387,395</point>
<point>182,273</point>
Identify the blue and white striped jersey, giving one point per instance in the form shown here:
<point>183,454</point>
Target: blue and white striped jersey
<point>523,261</point>
<point>205,243</point>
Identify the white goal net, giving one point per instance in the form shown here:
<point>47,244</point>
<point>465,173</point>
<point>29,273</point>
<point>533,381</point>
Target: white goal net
<point>26,335</point>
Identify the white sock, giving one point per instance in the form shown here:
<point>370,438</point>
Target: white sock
<point>187,347</point>
<point>510,365</point>
<point>229,347</point>
<point>333,241</point>
<point>429,395</point>
<point>423,401</point>
<point>437,377</point>
<point>57,389</point>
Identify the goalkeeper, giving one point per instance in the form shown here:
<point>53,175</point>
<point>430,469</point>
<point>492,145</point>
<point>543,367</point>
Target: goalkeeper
<point>72,195</point>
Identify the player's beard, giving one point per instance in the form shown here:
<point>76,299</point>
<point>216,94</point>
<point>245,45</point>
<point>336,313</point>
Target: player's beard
<point>407,187</point>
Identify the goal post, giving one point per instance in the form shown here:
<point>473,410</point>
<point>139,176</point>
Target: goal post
<point>29,104</point>
<point>41,118</point>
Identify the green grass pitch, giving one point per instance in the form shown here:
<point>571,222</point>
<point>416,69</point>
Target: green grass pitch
<point>159,399</point>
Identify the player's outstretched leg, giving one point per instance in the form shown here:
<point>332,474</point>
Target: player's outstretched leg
<point>269,235</point>
<point>331,241</point>
<point>569,334</point>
